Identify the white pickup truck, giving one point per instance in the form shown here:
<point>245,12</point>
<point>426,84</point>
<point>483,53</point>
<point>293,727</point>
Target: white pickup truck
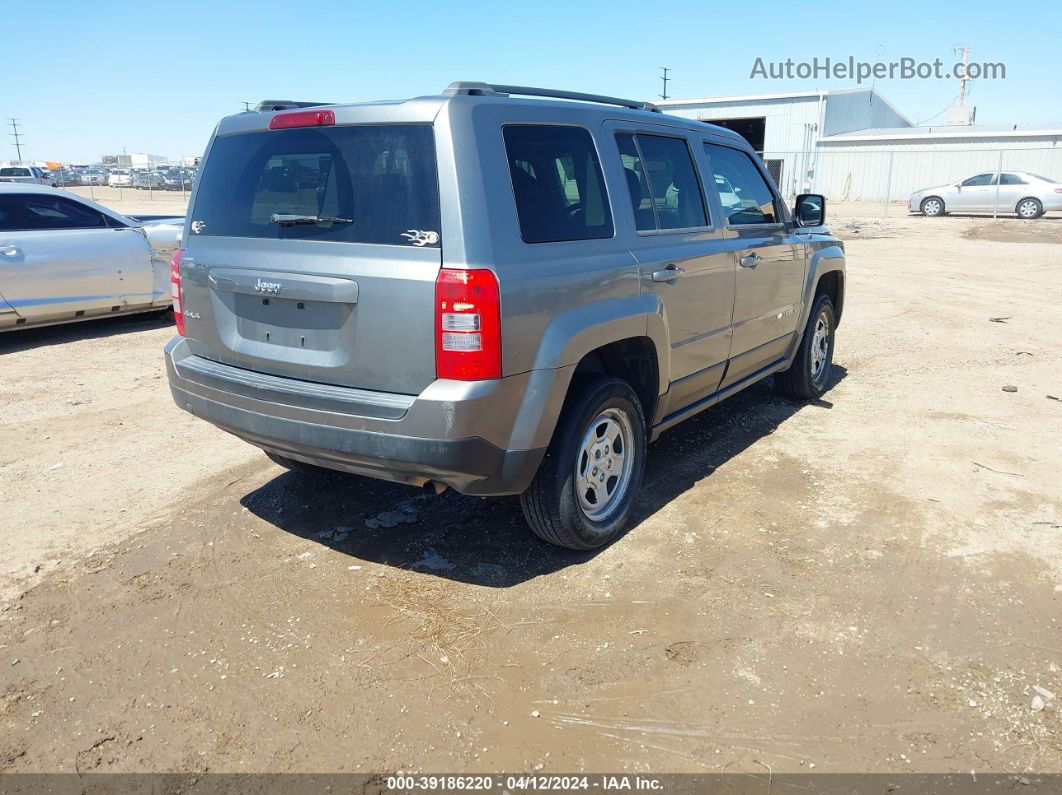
<point>30,175</point>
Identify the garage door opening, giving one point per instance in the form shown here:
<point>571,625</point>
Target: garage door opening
<point>752,130</point>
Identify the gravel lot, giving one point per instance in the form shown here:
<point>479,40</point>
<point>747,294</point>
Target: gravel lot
<point>869,583</point>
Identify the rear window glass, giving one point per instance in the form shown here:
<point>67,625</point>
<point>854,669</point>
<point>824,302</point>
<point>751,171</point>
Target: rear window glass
<point>15,172</point>
<point>560,193</point>
<point>358,184</point>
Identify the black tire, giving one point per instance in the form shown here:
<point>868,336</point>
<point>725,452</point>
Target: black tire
<point>1033,208</point>
<point>932,207</point>
<point>297,466</point>
<point>803,380</point>
<point>551,504</point>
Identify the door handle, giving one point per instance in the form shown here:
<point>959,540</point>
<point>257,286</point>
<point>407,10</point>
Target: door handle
<point>8,251</point>
<point>749,260</point>
<point>669,274</point>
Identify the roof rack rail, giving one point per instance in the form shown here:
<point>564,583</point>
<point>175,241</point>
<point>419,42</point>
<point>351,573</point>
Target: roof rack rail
<point>268,105</point>
<point>495,90</point>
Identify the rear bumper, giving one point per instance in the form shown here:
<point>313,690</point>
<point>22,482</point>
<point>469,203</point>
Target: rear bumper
<point>482,438</point>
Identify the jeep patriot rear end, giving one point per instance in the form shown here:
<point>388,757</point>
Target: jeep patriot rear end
<point>501,295</point>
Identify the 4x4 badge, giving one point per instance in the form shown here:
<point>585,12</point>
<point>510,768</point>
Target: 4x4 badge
<point>421,238</point>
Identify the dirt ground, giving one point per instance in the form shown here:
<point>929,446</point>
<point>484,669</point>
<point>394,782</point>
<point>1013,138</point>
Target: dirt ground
<point>872,582</point>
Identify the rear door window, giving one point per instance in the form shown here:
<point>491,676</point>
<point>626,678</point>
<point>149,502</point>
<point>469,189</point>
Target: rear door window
<point>637,183</point>
<point>744,193</point>
<point>353,184</point>
<point>39,212</point>
<point>557,184</point>
<point>1011,179</point>
<point>662,181</point>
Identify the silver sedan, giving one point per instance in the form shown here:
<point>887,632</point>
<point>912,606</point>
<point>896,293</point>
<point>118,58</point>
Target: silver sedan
<point>1019,192</point>
<point>64,258</point>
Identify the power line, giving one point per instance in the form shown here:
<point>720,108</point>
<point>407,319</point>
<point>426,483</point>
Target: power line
<point>666,79</point>
<point>16,136</point>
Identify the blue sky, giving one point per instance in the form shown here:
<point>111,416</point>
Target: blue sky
<point>157,77</point>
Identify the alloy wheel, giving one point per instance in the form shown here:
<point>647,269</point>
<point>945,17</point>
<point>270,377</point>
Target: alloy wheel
<point>820,347</point>
<point>604,464</point>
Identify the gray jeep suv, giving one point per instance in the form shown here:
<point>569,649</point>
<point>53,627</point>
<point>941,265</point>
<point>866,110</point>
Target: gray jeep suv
<point>502,295</point>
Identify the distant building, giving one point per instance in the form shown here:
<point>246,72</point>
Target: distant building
<point>142,160</point>
<point>853,144</point>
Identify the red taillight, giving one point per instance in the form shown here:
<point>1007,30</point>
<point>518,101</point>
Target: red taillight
<point>467,325</point>
<point>175,289</point>
<point>302,118</point>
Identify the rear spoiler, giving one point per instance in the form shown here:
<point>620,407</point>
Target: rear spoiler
<point>269,105</point>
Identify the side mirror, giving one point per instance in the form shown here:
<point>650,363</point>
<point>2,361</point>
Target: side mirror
<point>810,209</point>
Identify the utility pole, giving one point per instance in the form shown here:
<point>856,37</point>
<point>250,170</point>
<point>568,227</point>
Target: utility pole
<point>16,137</point>
<point>964,79</point>
<point>665,78</point>
<point>246,105</point>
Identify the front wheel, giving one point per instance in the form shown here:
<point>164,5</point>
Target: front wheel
<point>809,374</point>
<point>932,206</point>
<point>582,495</point>
<point>1029,209</point>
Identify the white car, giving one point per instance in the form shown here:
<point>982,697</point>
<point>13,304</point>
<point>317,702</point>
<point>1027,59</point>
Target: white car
<point>64,258</point>
<point>1019,192</point>
<point>120,178</point>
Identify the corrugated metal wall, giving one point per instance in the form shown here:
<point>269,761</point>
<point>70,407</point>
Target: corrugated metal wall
<point>876,171</point>
<point>787,136</point>
<point>869,170</point>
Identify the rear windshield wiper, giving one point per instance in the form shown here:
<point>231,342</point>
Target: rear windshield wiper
<point>290,220</point>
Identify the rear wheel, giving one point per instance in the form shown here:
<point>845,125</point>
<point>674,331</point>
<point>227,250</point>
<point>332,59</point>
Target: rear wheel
<point>932,206</point>
<point>582,495</point>
<point>809,374</point>
<point>1029,208</point>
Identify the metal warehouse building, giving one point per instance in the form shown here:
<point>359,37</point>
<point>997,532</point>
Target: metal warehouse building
<point>854,145</point>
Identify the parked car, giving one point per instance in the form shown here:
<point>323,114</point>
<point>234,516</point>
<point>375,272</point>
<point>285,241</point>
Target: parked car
<point>65,258</point>
<point>95,176</point>
<point>497,294</point>
<point>65,178</point>
<point>27,175</point>
<point>176,179</point>
<point>1026,195</point>
<point>145,180</point>
<point>120,178</point>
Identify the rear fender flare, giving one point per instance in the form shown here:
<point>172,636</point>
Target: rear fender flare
<point>573,334</point>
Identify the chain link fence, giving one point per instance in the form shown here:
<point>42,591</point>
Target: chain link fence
<point>164,181</point>
<point>886,177</point>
